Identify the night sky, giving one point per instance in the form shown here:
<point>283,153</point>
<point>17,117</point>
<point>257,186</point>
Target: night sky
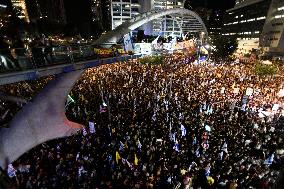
<point>213,4</point>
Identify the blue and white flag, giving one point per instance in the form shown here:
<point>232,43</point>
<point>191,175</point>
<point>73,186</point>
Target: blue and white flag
<point>197,153</point>
<point>109,157</point>
<point>176,146</point>
<point>11,171</point>
<point>225,147</point>
<point>183,130</point>
<point>127,42</point>
<point>84,131</point>
<point>173,137</point>
<point>92,127</point>
<point>139,145</point>
<point>184,36</point>
<point>121,147</point>
<point>221,154</point>
<point>207,171</point>
<point>269,160</point>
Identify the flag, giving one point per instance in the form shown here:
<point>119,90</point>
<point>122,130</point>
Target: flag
<point>184,36</point>
<point>123,161</point>
<point>109,157</point>
<point>155,41</point>
<point>117,157</point>
<point>269,160</point>
<point>135,159</point>
<point>197,153</point>
<point>121,147</point>
<point>173,136</point>
<point>130,165</point>
<point>77,156</point>
<point>207,128</point>
<point>176,146</point>
<point>194,141</point>
<point>183,130</point>
<point>84,131</point>
<point>92,127</point>
<point>69,101</point>
<point>139,144</point>
<point>225,147</point>
<point>127,43</point>
<point>11,171</point>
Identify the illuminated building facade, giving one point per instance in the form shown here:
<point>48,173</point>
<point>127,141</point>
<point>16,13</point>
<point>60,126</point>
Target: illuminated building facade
<point>21,9</point>
<point>257,24</point>
<point>123,10</point>
<point>245,22</point>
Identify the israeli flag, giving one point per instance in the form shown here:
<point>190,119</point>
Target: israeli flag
<point>121,147</point>
<point>269,160</point>
<point>221,154</point>
<point>183,130</point>
<point>176,146</point>
<point>225,147</point>
<point>207,171</point>
<point>84,131</point>
<point>184,36</point>
<point>197,153</point>
<point>139,145</point>
<point>173,136</point>
<point>109,157</point>
<point>127,42</point>
<point>92,127</point>
<point>11,171</point>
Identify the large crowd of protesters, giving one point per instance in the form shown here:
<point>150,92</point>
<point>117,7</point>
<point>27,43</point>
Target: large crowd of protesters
<point>170,125</point>
<point>14,96</point>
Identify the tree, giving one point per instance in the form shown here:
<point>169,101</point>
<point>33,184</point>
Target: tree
<point>264,70</point>
<point>224,46</point>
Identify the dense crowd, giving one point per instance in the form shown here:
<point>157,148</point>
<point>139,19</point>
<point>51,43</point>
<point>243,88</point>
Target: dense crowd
<point>14,96</point>
<point>172,125</point>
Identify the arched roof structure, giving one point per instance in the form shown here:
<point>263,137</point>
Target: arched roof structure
<point>194,22</point>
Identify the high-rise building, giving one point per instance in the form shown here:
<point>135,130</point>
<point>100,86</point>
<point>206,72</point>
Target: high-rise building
<point>51,10</point>
<point>246,21</point>
<point>4,16</point>
<point>272,36</point>
<point>215,23</point>
<point>123,10</point>
<point>21,9</point>
<point>257,24</point>
<point>106,14</point>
